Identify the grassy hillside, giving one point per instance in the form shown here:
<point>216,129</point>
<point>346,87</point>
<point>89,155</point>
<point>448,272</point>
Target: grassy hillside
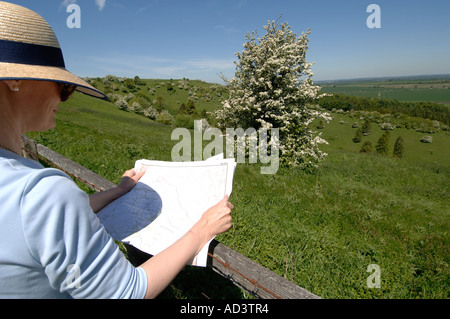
<point>164,94</point>
<point>321,231</point>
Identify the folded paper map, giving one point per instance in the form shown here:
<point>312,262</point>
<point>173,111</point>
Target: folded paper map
<point>168,200</point>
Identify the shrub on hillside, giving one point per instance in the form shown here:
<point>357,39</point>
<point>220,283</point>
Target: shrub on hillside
<point>150,113</point>
<point>387,126</point>
<point>138,81</point>
<point>358,136</point>
<point>184,120</point>
<point>366,148</point>
<point>136,108</point>
<point>366,128</point>
<point>129,84</point>
<point>204,124</point>
<point>187,108</point>
<point>121,103</point>
<point>398,148</point>
<point>320,126</point>
<point>165,118</point>
<point>159,103</point>
<point>110,78</point>
<point>382,146</point>
<point>427,139</point>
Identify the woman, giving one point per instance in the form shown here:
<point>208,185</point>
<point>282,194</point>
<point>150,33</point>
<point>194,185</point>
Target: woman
<point>52,244</point>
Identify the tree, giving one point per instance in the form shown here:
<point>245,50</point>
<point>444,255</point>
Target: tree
<point>382,146</point>
<point>398,148</point>
<point>358,136</point>
<point>366,128</point>
<point>320,126</point>
<point>130,84</point>
<point>182,109</point>
<point>159,103</point>
<point>273,88</point>
<point>366,148</point>
<point>188,108</point>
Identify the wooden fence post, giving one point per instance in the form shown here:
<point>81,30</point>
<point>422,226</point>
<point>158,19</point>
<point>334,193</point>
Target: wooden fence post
<point>29,149</point>
<point>252,277</point>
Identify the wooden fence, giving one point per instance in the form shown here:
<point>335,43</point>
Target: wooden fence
<point>243,272</point>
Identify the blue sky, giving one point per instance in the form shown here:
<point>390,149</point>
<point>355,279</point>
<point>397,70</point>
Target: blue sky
<point>198,39</point>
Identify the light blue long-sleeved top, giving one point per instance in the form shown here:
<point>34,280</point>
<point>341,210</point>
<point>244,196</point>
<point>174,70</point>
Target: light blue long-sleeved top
<point>52,245</point>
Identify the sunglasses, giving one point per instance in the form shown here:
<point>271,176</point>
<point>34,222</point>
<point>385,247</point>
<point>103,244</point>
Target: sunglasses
<point>66,90</point>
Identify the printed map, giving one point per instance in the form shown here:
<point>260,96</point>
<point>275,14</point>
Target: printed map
<point>169,199</point>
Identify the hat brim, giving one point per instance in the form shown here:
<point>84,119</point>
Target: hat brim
<point>13,71</point>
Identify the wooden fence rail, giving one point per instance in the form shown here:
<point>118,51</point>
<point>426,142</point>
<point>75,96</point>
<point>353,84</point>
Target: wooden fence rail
<point>243,272</point>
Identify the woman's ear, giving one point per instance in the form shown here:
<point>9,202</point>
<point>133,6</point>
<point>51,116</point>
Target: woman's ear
<point>13,85</point>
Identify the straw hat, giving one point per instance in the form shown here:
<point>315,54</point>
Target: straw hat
<point>29,50</point>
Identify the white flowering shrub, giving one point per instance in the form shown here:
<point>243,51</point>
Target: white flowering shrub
<point>121,103</point>
<point>204,124</point>
<point>387,126</point>
<point>427,139</point>
<point>273,88</point>
<point>136,107</point>
<point>113,97</point>
<point>165,118</point>
<point>150,113</point>
<point>110,78</point>
<point>129,97</point>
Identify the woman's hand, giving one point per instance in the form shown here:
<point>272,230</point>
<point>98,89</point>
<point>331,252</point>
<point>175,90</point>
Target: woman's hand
<point>165,266</point>
<point>214,221</point>
<point>100,200</point>
<point>129,181</point>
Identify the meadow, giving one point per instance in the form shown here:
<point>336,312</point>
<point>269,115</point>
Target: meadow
<point>321,230</point>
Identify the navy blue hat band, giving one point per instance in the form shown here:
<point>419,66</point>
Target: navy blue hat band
<point>31,54</point>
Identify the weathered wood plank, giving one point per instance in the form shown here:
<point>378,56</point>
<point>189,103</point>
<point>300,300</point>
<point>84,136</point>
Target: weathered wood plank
<point>29,149</point>
<point>91,179</point>
<point>252,277</point>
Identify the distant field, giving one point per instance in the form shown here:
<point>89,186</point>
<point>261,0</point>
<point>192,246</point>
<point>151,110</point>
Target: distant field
<point>406,91</point>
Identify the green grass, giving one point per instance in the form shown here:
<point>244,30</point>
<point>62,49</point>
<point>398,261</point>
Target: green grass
<point>321,231</point>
